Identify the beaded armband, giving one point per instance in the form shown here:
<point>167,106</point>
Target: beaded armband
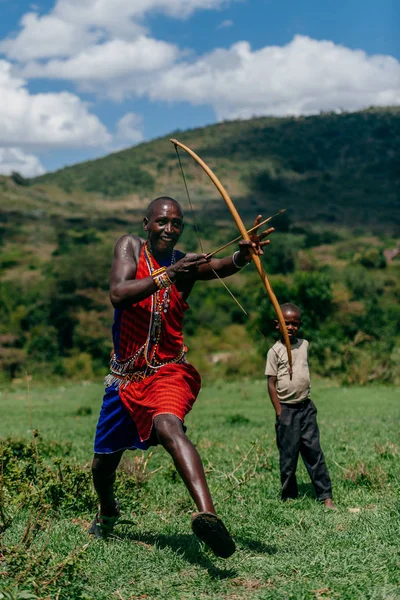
<point>161,279</point>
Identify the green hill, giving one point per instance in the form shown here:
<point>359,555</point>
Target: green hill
<point>340,169</point>
<point>338,176</point>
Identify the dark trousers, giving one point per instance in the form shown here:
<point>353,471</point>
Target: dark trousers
<point>297,431</point>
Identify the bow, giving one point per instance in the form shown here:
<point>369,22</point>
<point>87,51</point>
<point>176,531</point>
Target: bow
<point>243,232</point>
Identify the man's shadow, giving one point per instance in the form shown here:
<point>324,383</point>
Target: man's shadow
<point>255,546</point>
<point>187,546</point>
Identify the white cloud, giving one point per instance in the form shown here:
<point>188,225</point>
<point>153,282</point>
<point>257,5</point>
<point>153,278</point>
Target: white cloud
<point>111,15</point>
<point>108,62</point>
<point>103,47</point>
<point>15,159</point>
<point>129,129</point>
<point>74,25</point>
<point>45,120</point>
<point>46,36</point>
<point>225,24</point>
<point>303,77</point>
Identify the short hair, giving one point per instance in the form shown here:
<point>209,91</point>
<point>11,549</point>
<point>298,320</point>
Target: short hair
<point>290,307</point>
<point>152,204</point>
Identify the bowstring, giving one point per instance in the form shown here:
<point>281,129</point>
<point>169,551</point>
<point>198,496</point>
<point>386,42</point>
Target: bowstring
<point>201,244</point>
<point>190,200</point>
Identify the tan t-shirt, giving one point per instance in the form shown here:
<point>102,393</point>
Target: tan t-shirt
<point>289,390</point>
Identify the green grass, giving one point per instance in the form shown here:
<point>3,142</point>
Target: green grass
<point>294,550</point>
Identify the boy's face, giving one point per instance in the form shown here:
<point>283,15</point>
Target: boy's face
<point>293,323</point>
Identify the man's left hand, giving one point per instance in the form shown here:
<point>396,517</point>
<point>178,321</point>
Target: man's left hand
<point>256,243</point>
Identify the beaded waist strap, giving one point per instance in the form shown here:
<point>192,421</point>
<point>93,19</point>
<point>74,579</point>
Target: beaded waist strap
<point>122,373</point>
<point>134,376</point>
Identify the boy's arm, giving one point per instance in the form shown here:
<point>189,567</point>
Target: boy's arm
<point>273,394</point>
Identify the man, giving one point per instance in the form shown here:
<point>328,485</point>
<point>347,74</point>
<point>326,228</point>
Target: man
<point>151,387</point>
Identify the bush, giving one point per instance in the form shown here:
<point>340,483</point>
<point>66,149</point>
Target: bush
<point>265,183</point>
<point>123,178</point>
<point>372,258</point>
<point>313,294</point>
<point>371,363</point>
<point>79,366</point>
<point>317,238</point>
<point>213,309</point>
<point>361,283</point>
<point>280,256</point>
<point>20,179</point>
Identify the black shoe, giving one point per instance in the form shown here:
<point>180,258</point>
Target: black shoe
<point>210,529</point>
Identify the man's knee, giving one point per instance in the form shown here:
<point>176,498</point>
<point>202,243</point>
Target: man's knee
<point>169,430</point>
<point>104,465</point>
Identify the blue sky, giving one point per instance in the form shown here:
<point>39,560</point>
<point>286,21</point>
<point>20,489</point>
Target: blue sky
<point>82,78</point>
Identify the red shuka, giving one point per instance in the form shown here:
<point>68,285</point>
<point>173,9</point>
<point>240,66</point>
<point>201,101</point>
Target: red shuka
<point>174,387</point>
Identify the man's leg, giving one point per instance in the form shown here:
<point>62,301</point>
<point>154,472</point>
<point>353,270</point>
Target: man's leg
<point>187,460</point>
<point>104,467</point>
<point>205,524</point>
<point>288,442</point>
<point>312,454</point>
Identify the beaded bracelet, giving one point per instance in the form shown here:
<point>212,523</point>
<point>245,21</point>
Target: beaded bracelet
<point>161,279</point>
<point>234,255</point>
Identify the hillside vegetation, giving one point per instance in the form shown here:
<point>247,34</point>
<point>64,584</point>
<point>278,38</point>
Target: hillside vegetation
<point>338,176</point>
<point>342,169</point>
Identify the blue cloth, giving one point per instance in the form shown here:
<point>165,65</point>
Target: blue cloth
<point>115,429</point>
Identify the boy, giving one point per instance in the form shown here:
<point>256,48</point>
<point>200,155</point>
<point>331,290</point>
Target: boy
<point>296,415</point>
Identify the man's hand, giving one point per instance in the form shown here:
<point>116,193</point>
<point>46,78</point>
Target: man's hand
<point>256,243</point>
<point>189,263</point>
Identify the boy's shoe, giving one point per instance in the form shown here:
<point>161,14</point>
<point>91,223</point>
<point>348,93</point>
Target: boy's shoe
<point>102,525</point>
<point>328,503</point>
<point>210,529</point>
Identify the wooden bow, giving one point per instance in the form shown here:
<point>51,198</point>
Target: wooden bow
<point>243,232</point>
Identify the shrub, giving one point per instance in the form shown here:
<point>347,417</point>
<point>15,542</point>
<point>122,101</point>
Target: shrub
<point>280,256</point>
<point>361,282</point>
<point>79,365</point>
<point>20,179</point>
<point>123,178</point>
<point>372,258</point>
<point>317,238</point>
<point>313,294</point>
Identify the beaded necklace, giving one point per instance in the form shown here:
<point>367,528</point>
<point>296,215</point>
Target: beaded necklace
<point>121,372</point>
<point>159,304</point>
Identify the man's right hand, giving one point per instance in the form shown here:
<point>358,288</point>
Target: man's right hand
<point>190,262</point>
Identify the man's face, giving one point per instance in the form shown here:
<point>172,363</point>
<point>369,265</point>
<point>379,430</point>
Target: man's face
<point>292,321</point>
<point>164,226</point>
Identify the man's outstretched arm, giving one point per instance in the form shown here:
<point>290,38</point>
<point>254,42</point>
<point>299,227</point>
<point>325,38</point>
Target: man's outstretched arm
<point>124,288</point>
<point>224,267</point>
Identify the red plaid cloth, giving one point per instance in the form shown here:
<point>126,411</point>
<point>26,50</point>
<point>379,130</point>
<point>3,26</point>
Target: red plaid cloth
<point>173,389</point>
<point>135,323</point>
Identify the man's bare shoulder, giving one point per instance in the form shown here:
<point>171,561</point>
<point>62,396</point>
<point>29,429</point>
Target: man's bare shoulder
<point>128,246</point>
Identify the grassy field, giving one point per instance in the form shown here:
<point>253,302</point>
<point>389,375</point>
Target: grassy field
<point>294,550</point>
